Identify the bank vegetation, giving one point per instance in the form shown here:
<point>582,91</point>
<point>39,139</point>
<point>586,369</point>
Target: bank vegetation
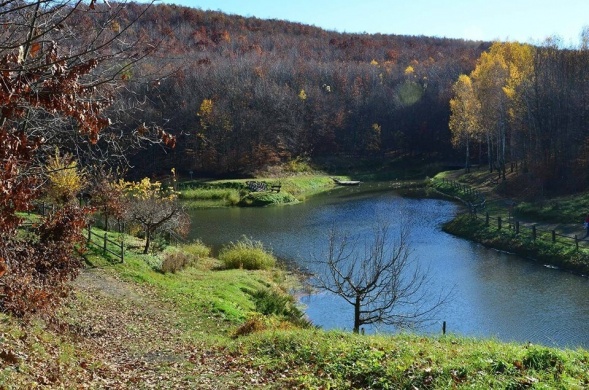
<point>203,324</point>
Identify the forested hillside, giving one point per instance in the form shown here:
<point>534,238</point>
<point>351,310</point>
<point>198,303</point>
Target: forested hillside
<point>241,93</point>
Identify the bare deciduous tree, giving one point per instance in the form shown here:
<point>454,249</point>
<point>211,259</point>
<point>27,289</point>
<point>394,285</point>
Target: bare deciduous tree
<point>154,209</point>
<point>383,282</point>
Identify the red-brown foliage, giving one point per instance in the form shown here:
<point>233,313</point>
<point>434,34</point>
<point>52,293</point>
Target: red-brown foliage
<point>48,81</point>
<point>38,270</point>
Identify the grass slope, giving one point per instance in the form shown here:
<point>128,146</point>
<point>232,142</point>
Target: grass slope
<point>128,326</point>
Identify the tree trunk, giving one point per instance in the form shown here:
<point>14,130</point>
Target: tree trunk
<point>147,241</point>
<point>489,153</point>
<point>357,314</point>
<point>467,164</point>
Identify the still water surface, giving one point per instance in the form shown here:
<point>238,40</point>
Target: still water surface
<point>493,294</point>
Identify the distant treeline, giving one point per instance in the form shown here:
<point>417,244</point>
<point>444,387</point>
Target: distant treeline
<point>528,106</point>
<point>242,93</point>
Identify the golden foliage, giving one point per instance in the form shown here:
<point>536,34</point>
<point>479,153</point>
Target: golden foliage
<point>303,95</point>
<point>206,108</point>
<point>65,179</point>
<point>205,112</point>
<point>146,189</point>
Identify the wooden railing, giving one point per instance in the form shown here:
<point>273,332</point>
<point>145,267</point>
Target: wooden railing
<point>476,202</point>
<point>102,241</point>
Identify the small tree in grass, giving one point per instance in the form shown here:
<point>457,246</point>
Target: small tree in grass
<point>383,282</point>
<point>154,208</point>
<point>108,196</point>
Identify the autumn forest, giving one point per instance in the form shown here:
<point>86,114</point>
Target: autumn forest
<point>91,93</point>
<point>243,93</point>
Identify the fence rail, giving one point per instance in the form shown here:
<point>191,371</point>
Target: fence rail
<point>102,241</point>
<point>535,233</point>
<point>510,223</point>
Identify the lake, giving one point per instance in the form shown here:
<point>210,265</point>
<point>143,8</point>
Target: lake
<point>493,294</point>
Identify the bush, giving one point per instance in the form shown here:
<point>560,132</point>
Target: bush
<point>259,199</point>
<point>187,256</point>
<point>247,254</point>
<point>252,325</point>
<point>269,302</point>
<point>196,249</point>
<point>174,262</point>
<point>542,359</point>
<point>298,165</point>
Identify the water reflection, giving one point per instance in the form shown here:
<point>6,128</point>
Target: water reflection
<point>495,294</point>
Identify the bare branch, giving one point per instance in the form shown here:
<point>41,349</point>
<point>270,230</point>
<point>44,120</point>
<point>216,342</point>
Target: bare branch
<point>383,283</point>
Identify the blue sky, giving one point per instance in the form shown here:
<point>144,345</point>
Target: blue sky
<point>515,20</point>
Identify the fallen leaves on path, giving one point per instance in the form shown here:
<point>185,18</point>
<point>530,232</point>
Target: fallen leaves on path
<point>119,335</point>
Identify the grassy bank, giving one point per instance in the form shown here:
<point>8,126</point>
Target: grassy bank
<point>227,193</point>
<point>543,250</point>
<point>131,325</point>
<point>554,242</point>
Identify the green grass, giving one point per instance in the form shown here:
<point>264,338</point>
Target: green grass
<point>312,358</point>
<point>245,318</point>
<point>563,255</point>
<point>247,254</point>
<point>317,359</point>
<point>261,199</point>
<point>569,209</point>
<point>227,193</point>
<point>204,290</point>
<point>210,196</point>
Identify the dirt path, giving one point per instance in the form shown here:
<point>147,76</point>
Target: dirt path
<point>138,340</point>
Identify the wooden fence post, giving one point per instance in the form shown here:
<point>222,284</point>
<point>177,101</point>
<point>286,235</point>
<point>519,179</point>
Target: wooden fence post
<point>499,223</point>
<point>554,236</point>
<point>122,251</point>
<point>534,232</point>
<point>576,243</point>
<point>104,247</point>
<point>516,227</point>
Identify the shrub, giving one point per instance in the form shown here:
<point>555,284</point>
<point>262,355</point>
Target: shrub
<point>252,325</point>
<point>248,254</point>
<point>174,262</point>
<point>187,256</point>
<point>196,249</point>
<point>37,271</point>
<point>542,359</point>
<point>298,165</point>
<point>270,302</point>
<point>259,199</point>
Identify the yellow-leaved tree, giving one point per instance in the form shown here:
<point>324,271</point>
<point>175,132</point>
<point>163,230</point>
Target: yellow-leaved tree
<point>64,178</point>
<point>498,91</point>
<point>464,118</point>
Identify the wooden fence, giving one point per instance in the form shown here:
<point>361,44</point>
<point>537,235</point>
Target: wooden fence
<point>531,230</point>
<point>102,241</point>
<point>465,189</point>
<point>476,202</point>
